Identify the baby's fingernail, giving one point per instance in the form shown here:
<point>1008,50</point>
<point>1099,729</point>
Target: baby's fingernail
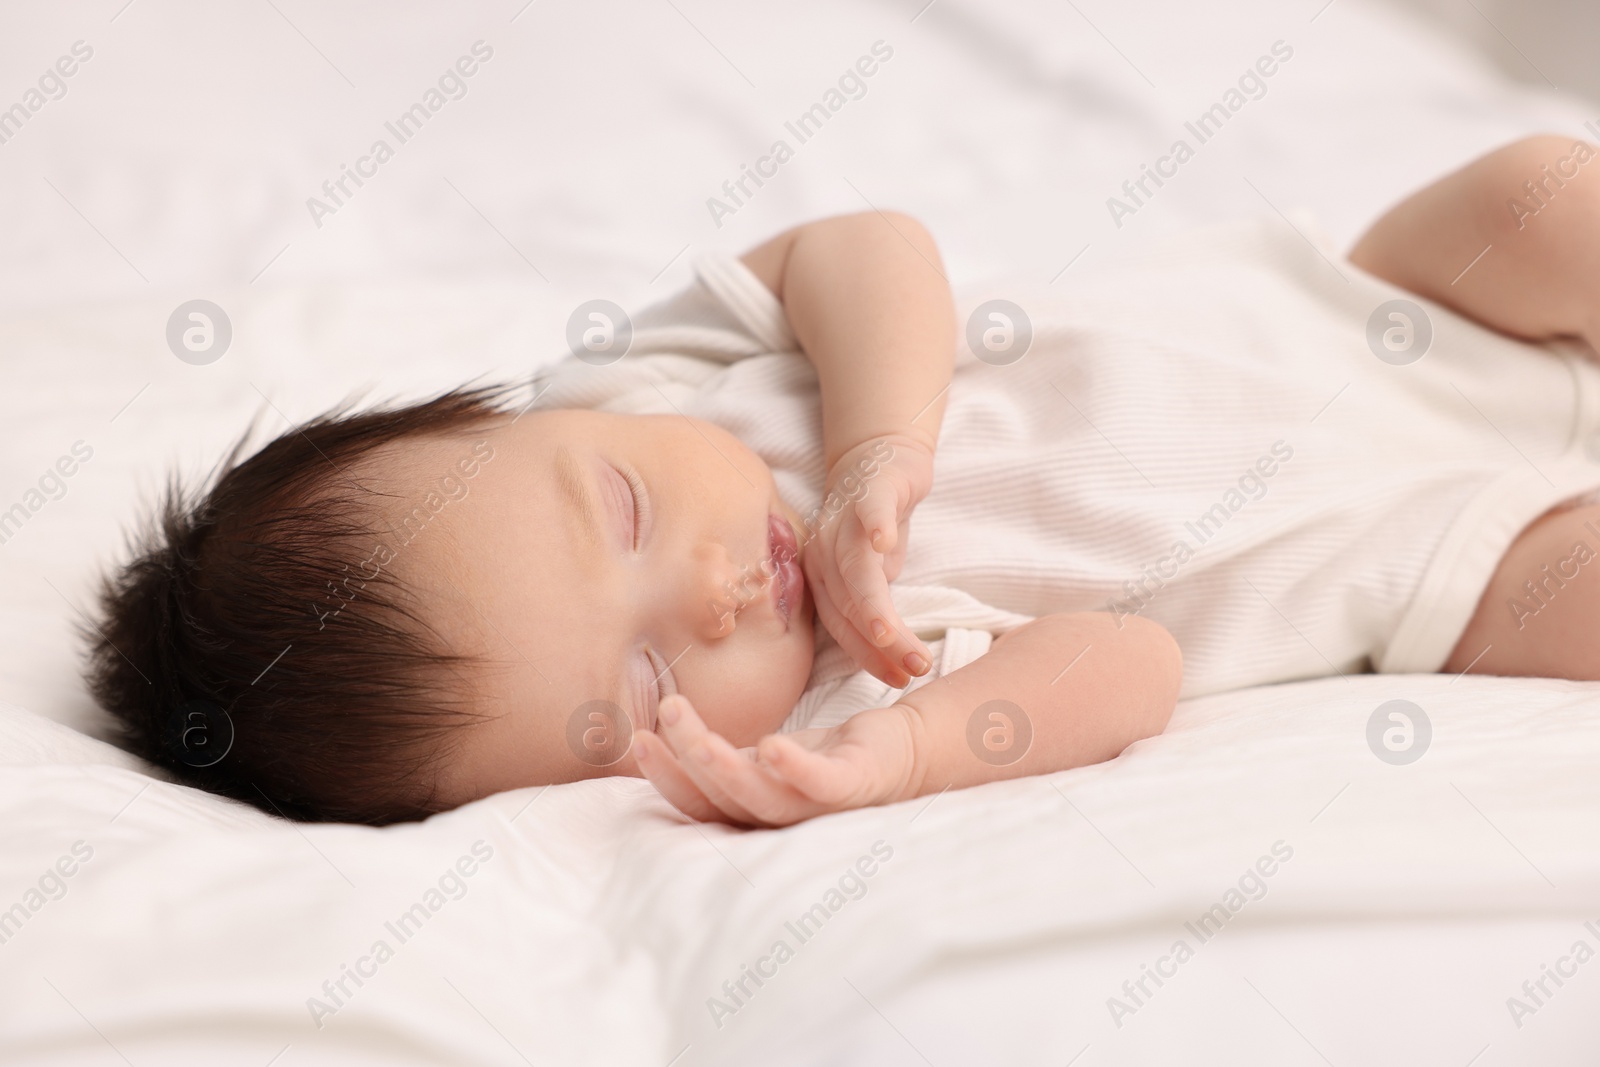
<point>915,663</point>
<point>879,631</point>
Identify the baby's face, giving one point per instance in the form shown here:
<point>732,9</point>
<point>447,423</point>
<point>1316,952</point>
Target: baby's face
<point>611,600</point>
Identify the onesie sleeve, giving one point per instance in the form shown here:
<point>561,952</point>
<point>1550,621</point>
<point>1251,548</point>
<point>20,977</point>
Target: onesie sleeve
<point>724,315</point>
<point>838,689</point>
<point>682,343</point>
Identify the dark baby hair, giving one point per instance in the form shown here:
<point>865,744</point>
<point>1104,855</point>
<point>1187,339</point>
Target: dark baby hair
<point>258,644</point>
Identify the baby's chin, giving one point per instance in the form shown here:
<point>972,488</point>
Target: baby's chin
<point>763,709</point>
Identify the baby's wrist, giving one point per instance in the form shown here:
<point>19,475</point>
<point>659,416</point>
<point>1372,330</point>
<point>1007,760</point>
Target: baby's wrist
<point>910,770</point>
<point>881,445</point>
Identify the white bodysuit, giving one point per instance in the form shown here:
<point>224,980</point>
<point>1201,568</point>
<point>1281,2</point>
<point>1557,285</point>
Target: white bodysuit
<point>1203,436</point>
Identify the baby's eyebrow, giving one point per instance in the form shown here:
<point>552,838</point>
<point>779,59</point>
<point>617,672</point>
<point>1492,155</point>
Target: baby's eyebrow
<point>573,485</point>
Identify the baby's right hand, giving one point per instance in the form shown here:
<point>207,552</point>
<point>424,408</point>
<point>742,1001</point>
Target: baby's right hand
<point>858,550</point>
<point>867,759</point>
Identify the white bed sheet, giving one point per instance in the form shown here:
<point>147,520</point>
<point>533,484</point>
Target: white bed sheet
<point>1416,900</point>
<point>177,166</point>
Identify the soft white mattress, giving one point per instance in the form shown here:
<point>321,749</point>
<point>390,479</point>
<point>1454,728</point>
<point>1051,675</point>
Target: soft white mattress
<point>1418,898</point>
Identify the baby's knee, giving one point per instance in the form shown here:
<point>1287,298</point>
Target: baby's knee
<point>1540,615</point>
<point>1536,147</point>
<point>1521,178</point>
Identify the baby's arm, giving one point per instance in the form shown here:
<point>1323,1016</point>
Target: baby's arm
<point>1086,688</point>
<point>1512,239</point>
<point>867,299</point>
<point>868,302</point>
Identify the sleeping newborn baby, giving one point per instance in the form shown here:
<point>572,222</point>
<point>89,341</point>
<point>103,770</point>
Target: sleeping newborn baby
<point>801,549</point>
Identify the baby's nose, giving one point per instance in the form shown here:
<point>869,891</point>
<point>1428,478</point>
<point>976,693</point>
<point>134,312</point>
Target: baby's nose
<point>719,591</point>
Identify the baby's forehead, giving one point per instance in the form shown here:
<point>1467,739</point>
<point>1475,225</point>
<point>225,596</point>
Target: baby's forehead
<point>462,519</point>
<point>426,472</point>
<point>413,491</point>
<point>463,515</point>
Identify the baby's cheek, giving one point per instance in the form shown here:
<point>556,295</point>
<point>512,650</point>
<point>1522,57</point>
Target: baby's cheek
<point>755,696</point>
<point>744,711</point>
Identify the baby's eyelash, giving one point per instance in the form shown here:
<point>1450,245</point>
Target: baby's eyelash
<point>641,506</point>
<point>664,688</point>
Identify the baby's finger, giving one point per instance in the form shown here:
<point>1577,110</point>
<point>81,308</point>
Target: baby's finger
<point>853,572</point>
<point>692,742</point>
<point>832,597</point>
<point>734,783</point>
<point>872,609</point>
<point>661,767</point>
<point>895,558</point>
<point>867,656</point>
<point>878,514</point>
<point>771,800</point>
<point>827,781</point>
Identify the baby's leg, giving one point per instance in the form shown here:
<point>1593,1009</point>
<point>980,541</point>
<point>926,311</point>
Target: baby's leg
<point>1511,239</point>
<point>1540,614</point>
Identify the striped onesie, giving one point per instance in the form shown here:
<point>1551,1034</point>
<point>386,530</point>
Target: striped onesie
<point>1215,435</point>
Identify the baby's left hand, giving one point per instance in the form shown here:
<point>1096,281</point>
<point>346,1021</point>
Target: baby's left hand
<point>787,778</point>
<point>859,549</point>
